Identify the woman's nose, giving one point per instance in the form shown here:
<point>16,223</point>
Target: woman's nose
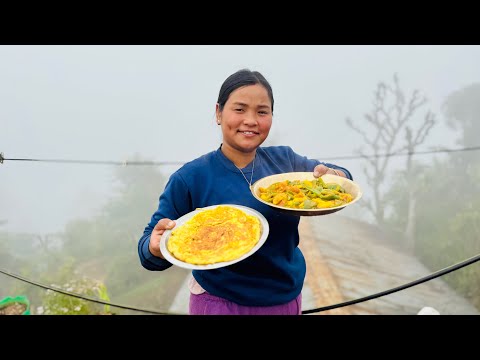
<point>250,119</point>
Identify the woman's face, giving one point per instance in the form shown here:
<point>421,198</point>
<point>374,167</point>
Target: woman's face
<point>246,118</point>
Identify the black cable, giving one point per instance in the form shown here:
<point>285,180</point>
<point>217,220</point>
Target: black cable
<point>347,303</point>
<point>81,296</point>
<point>472,148</point>
<point>156,163</point>
<point>324,308</point>
<point>402,287</point>
<point>99,162</point>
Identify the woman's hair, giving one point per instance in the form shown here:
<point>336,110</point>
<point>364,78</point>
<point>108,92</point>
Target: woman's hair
<point>242,78</point>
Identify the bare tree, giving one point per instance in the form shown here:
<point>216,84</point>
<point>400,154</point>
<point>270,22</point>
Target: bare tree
<point>47,243</point>
<point>392,116</point>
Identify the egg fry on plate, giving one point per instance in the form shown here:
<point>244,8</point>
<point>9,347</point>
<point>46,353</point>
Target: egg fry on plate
<point>214,235</point>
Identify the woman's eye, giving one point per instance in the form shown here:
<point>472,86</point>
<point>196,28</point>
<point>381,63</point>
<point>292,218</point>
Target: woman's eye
<point>238,109</point>
<point>263,112</point>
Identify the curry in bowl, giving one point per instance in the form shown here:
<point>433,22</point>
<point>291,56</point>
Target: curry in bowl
<point>301,194</point>
<point>305,194</point>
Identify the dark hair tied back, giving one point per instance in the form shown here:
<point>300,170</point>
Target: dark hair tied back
<point>242,78</point>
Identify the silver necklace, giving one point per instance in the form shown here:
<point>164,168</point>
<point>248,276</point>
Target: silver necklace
<point>251,177</point>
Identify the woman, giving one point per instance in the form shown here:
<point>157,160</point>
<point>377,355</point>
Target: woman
<point>270,281</point>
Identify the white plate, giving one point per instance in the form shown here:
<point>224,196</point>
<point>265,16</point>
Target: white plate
<point>264,229</point>
<point>349,186</point>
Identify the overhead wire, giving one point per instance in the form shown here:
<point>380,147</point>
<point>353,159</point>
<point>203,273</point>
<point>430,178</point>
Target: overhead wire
<point>159,163</point>
<point>434,275</point>
<point>324,308</point>
<point>88,298</point>
<point>429,277</point>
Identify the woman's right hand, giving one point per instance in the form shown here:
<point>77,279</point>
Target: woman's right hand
<point>158,230</point>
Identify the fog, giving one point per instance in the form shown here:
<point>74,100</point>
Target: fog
<point>109,102</point>
<point>113,103</point>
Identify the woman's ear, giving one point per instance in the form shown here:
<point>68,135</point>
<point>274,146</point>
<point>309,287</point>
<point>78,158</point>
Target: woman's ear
<point>217,113</point>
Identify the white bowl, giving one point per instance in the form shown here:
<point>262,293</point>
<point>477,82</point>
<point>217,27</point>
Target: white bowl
<point>350,187</point>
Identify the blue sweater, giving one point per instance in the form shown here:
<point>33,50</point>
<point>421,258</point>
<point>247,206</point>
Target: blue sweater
<point>272,275</point>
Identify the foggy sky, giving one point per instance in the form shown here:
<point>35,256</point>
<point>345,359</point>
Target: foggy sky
<point>110,102</point>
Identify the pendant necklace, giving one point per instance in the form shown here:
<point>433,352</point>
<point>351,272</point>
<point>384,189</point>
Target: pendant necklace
<point>251,177</point>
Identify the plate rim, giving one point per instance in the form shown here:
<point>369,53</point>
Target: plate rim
<point>265,229</point>
<point>307,212</point>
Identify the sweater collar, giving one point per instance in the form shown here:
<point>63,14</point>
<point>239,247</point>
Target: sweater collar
<point>229,165</point>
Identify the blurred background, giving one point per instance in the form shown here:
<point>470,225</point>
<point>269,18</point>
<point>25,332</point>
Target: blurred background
<point>402,119</point>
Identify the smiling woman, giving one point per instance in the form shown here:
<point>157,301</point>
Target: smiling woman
<point>246,120</point>
<point>270,280</point>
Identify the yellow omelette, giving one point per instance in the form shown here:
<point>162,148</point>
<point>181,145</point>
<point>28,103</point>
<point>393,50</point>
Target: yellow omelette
<point>224,233</point>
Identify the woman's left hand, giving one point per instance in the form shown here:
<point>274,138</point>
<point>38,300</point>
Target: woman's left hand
<point>320,170</point>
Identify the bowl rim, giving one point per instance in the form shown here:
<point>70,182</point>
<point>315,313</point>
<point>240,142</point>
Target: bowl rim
<point>302,175</point>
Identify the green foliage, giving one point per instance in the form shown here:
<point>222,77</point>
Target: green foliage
<point>55,303</point>
<point>103,294</point>
<point>119,225</point>
<point>103,246</point>
<point>448,227</point>
<point>58,304</point>
<point>5,256</point>
<point>155,290</point>
<point>466,227</point>
<point>14,259</point>
<point>448,199</point>
<point>462,109</point>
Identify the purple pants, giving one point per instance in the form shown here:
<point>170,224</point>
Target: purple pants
<point>208,304</point>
